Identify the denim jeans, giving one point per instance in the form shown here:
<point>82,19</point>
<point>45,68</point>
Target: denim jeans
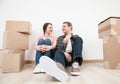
<point>76,53</point>
<point>40,53</point>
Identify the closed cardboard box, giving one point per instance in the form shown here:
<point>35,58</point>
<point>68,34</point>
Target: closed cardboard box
<point>1,37</point>
<point>1,60</point>
<point>108,27</point>
<point>13,62</point>
<point>15,40</point>
<point>111,49</point>
<point>19,26</point>
<point>8,51</point>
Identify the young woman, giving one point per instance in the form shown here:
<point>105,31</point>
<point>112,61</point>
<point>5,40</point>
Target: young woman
<point>44,45</point>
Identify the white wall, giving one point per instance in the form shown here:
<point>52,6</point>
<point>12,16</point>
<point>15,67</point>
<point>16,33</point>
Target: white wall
<point>84,14</point>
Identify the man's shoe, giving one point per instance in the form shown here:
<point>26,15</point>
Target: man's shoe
<point>50,67</point>
<point>75,69</point>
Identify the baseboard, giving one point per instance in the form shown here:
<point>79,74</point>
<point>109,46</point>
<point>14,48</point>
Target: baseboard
<point>93,61</point>
<point>29,62</point>
<point>84,61</point>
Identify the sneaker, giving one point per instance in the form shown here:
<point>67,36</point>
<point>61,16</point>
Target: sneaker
<point>52,69</point>
<point>38,69</point>
<point>75,69</point>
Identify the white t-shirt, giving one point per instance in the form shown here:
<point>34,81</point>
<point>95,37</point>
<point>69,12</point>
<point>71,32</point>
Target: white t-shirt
<point>69,46</point>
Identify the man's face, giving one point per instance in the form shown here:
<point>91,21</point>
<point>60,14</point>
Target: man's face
<point>66,28</point>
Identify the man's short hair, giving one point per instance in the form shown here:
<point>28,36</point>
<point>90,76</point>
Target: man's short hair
<point>69,24</point>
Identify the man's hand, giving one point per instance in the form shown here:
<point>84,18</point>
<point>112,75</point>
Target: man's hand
<point>67,37</point>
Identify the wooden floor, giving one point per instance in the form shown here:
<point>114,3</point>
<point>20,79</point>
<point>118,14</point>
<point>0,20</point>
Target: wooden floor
<point>91,73</point>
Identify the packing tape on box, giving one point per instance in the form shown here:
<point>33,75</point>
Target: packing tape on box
<point>111,21</point>
<point>104,24</point>
<point>105,33</point>
<point>106,65</point>
<point>105,39</point>
<point>118,38</point>
<point>118,66</point>
<point>113,31</point>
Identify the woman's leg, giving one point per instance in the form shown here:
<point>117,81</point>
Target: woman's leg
<point>47,42</point>
<point>39,53</point>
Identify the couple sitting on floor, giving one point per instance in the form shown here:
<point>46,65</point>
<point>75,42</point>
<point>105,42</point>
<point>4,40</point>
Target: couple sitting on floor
<point>53,54</point>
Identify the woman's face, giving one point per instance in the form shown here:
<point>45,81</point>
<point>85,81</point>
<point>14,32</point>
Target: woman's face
<point>49,29</point>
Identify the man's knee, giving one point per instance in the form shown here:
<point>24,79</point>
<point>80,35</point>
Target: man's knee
<point>77,38</point>
<point>59,53</point>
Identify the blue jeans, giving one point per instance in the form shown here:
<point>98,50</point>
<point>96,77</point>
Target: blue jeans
<point>76,53</point>
<point>40,53</point>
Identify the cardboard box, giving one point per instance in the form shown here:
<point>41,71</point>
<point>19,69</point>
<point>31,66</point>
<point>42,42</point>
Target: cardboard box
<point>15,40</point>
<point>19,26</point>
<point>1,37</point>
<point>8,51</point>
<point>110,26</point>
<point>1,60</point>
<point>13,62</point>
<point>107,65</point>
<point>111,49</point>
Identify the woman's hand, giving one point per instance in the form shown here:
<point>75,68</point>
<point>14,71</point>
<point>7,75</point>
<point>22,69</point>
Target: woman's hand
<point>39,48</point>
<point>46,48</point>
<point>43,48</point>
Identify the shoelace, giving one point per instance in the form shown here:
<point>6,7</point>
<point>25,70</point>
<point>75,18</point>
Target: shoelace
<point>75,65</point>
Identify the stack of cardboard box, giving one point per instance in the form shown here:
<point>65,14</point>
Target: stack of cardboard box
<point>109,31</point>
<point>15,42</point>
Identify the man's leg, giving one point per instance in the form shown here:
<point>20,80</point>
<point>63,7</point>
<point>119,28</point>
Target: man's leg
<point>60,57</point>
<point>77,49</point>
<point>77,55</point>
<point>47,42</point>
<point>55,68</point>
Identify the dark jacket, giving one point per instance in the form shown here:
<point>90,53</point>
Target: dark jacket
<point>60,45</point>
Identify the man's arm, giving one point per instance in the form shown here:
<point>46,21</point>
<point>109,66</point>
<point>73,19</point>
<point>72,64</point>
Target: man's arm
<point>60,45</point>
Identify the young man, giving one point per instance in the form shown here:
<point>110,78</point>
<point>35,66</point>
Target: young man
<point>68,52</point>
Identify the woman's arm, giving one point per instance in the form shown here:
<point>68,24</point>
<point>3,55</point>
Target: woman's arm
<point>49,47</point>
<point>52,46</point>
<point>36,47</point>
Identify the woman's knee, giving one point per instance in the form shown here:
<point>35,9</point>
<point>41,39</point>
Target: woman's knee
<point>47,41</point>
<point>41,41</point>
